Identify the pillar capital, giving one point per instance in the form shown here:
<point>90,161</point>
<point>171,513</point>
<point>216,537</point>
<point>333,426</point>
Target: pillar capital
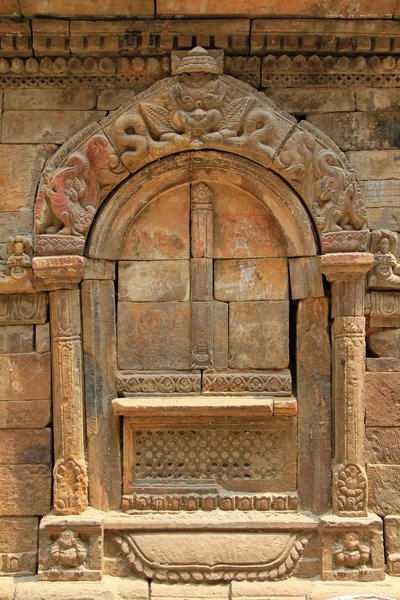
<point>59,272</point>
<point>346,265</point>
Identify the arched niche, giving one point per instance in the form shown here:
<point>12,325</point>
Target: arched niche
<point>198,109</point>
<point>287,223</point>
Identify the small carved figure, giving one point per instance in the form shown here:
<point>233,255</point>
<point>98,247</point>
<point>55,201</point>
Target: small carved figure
<point>17,276</point>
<point>352,553</point>
<point>68,551</point>
<point>386,272</point>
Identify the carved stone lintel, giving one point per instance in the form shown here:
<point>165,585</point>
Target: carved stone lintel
<point>70,478</point>
<point>59,272</point>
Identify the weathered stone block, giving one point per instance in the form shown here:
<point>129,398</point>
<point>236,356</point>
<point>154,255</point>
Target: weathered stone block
<point>221,333</point>
<point>384,489</point>
<point>18,534</point>
<point>243,227</point>
<point>50,37</point>
<point>201,279</point>
<point>42,338</point>
<point>251,279</point>
<point>112,99</point>
<point>24,376</point>
<point>21,168</point>
<point>25,414</point>
<point>98,269</point>
<point>306,278</point>
<point>259,335</point>
<point>28,490</point>
<point>154,335</point>
<point>385,343</point>
<point>302,101</point>
<point>153,281</point>
<point>49,126</point>
<point>392,544</point>
<point>378,99</point>
<point>16,338</point>
<point>33,446</point>
<point>10,8</point>
<point>375,164</point>
<point>382,365</point>
<point>10,222</point>
<point>382,445</point>
<point>108,8</point>
<point>360,130</point>
<point>18,309</point>
<point>36,99</point>
<point>161,231</point>
<point>382,399</point>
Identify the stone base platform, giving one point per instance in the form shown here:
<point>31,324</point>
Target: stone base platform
<point>114,588</point>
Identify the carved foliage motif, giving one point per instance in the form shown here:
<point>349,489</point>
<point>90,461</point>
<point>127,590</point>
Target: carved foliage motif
<point>350,490</point>
<point>242,383</point>
<point>324,181</point>
<point>70,486</point>
<point>280,568</point>
<point>163,383</point>
<point>68,551</point>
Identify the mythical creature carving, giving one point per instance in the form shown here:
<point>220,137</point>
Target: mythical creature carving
<point>70,195</point>
<point>324,182</point>
<point>68,551</point>
<point>199,109</point>
<point>386,271</point>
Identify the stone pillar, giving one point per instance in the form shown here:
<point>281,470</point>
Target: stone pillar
<point>62,275</point>
<point>347,274</point>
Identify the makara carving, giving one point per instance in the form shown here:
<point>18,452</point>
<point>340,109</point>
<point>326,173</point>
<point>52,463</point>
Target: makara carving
<point>198,108</point>
<point>324,180</point>
<point>386,271</point>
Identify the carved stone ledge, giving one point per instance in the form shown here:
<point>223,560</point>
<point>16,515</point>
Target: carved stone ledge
<point>59,272</point>
<point>346,241</point>
<point>352,549</point>
<point>71,548</point>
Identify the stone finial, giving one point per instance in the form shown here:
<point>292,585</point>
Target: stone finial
<point>198,60</point>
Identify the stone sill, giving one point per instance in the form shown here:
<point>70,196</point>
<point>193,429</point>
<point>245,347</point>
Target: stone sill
<point>205,407</point>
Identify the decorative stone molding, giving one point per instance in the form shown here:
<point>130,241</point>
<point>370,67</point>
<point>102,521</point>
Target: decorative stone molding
<point>208,502</point>
<point>135,73</point>
<point>197,109</point>
<point>23,309</point>
<point>384,309</point>
<point>272,383</point>
<point>59,272</point>
<point>159,383</point>
<point>17,564</point>
<point>302,70</point>
<point>285,552</point>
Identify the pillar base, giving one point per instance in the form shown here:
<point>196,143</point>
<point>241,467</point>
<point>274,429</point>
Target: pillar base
<point>352,548</point>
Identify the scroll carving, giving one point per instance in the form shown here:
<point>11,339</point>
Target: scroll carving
<point>282,566</point>
<point>324,181</point>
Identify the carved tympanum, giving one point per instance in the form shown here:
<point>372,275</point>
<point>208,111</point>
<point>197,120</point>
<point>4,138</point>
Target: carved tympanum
<point>198,108</point>
<point>386,271</point>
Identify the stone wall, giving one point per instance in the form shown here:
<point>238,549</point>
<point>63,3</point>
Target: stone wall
<point>59,75</point>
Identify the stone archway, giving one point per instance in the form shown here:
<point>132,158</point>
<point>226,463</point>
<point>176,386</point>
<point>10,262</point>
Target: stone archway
<point>203,126</point>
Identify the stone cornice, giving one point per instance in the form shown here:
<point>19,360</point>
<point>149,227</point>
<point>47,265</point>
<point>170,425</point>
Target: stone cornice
<point>61,37</point>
